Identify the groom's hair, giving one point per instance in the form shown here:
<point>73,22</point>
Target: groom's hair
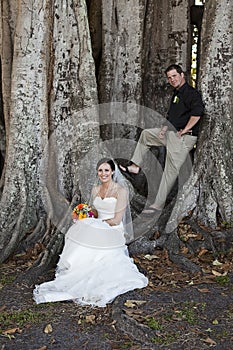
<point>106,160</point>
<point>176,67</point>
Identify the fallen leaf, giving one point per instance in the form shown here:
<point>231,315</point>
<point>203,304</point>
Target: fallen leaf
<point>199,237</point>
<point>90,319</point>
<point>203,290</point>
<point>216,273</point>
<point>12,331</point>
<point>217,263</point>
<point>177,318</point>
<point>209,330</point>
<point>151,284</point>
<point>48,329</point>
<point>133,303</point>
<point>184,250</point>
<point>2,308</point>
<point>210,341</point>
<point>202,252</point>
<point>136,314</point>
<point>43,348</point>
<point>215,321</point>
<point>151,257</point>
<point>192,235</point>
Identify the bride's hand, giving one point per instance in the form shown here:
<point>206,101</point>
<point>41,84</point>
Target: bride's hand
<point>111,222</point>
<point>95,213</point>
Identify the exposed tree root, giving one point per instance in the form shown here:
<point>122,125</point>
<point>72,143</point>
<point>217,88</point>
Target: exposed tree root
<point>128,325</point>
<point>46,259</point>
<point>195,238</point>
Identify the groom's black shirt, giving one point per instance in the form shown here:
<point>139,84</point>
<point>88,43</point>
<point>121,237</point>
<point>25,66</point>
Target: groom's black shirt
<point>186,102</point>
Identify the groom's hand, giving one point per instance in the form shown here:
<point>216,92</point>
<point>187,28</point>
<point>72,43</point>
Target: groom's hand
<point>162,132</point>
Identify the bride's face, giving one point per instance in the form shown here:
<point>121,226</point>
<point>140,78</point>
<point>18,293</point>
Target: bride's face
<point>105,173</point>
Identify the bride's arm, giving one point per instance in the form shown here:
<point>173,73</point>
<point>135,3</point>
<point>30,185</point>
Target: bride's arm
<point>94,193</point>
<point>121,204</point>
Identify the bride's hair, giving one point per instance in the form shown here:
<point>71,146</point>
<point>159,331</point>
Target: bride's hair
<point>106,160</point>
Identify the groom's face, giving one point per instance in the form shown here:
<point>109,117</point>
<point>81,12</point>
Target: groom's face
<point>175,79</point>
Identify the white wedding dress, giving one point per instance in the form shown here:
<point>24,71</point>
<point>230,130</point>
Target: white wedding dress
<point>94,266</point>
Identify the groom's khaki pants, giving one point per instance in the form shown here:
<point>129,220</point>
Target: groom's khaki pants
<point>177,151</point>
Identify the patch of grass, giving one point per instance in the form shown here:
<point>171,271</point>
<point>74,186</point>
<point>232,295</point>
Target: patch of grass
<point>222,334</point>
<point>20,318</point>
<point>222,280</point>
<point>203,306</point>
<point>106,335</point>
<point>165,339</point>
<point>187,315</point>
<point>226,224</point>
<point>188,311</point>
<point>168,316</point>
<point>153,323</point>
<point>229,314</point>
<point>6,279</point>
<point>127,345</point>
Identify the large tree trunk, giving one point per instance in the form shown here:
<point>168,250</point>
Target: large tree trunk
<point>50,85</point>
<point>167,40</point>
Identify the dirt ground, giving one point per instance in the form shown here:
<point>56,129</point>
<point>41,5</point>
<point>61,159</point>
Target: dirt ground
<point>176,311</point>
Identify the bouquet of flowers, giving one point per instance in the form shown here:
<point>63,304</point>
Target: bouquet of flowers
<point>82,211</point>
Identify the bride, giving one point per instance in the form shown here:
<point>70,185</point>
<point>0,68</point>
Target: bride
<point>94,266</point>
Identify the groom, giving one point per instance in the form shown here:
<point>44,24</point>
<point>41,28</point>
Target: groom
<point>178,134</point>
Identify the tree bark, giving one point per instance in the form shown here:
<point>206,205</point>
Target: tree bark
<point>50,86</point>
<point>167,40</point>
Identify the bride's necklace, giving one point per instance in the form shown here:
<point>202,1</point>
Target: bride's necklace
<point>103,193</point>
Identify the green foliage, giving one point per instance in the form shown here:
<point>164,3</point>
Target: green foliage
<point>222,280</point>
<point>226,225</point>
<point>184,312</point>
<point>222,334</point>
<point>187,315</point>
<point>6,279</point>
<point>188,311</point>
<point>153,323</point>
<point>127,345</point>
<point>165,339</point>
<point>20,318</point>
<point>230,314</point>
